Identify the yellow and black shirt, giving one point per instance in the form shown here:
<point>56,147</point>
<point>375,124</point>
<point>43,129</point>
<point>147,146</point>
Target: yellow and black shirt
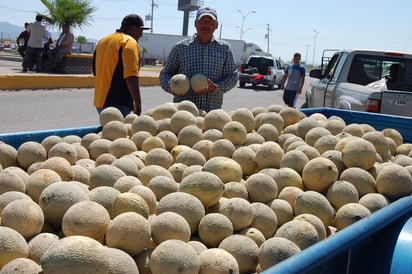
<point>116,58</point>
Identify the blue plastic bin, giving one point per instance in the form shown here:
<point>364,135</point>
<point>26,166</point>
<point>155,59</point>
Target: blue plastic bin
<point>371,245</point>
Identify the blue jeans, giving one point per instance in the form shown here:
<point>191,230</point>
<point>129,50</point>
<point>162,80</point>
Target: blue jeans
<point>289,97</point>
<point>123,109</point>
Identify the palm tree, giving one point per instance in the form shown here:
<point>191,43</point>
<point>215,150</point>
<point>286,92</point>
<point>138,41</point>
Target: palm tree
<point>81,40</point>
<point>75,12</point>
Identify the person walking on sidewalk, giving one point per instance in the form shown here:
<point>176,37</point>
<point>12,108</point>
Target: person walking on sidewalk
<point>23,39</point>
<point>294,78</point>
<point>35,44</point>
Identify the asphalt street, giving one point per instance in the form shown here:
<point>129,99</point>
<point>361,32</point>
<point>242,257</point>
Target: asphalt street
<point>43,109</point>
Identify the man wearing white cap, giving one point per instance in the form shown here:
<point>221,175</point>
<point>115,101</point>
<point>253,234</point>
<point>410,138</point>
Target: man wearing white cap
<point>202,54</point>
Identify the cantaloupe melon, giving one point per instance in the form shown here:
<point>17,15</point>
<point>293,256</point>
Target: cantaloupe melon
<point>11,182</point>
<point>319,173</point>
<point>253,233</point>
<point>64,150</point>
<point>359,153</point>
<point>188,106</point>
<point>198,82</point>
<point>169,225</point>
<point>75,254</point>
<point>179,84</point>
<point>239,211</point>
<point>57,198</point>
<point>144,123</point>
<point>113,130</point>
<point>216,119</point>
<point>394,181</point>
<point>129,202</point>
<point>302,233</point>
<point>24,216</point>
<point>185,204</point>
<point>148,195</point>
<point>342,192</point>
<point>12,245</point>
<point>235,189</point>
<point>30,152</point>
<point>129,232</point>
<point>86,218</point>
<point>227,169</point>
<point>121,262</point>
<point>213,228</point>
<point>189,135</point>
<point>165,259</point>
<point>165,110</point>
<point>206,186</point>
<point>180,119</point>
<point>264,219</point>
<point>275,250</point>
<point>282,209</point>
<point>162,185</point>
<point>245,251</point>
<point>39,244</point>
<point>269,155</point>
<point>235,132</point>
<point>261,188</point>
<point>244,116</point>
<point>21,265</point>
<point>8,155</point>
<point>217,260</point>
<point>104,175</point>
<point>315,203</point>
<point>110,114</point>
<point>349,214</point>
<point>104,195</point>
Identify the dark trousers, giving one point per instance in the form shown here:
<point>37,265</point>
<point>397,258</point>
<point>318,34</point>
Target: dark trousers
<point>22,50</point>
<point>30,52</point>
<point>289,97</point>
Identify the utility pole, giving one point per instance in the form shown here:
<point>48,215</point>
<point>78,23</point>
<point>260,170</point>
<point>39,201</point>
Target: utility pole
<point>267,37</point>
<point>153,5</point>
<point>314,47</point>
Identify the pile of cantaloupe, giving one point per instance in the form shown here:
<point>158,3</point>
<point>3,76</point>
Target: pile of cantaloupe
<point>175,190</point>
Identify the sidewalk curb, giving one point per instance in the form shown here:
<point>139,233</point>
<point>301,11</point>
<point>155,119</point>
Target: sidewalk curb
<point>17,81</point>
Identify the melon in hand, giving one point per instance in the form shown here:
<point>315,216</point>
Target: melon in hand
<point>179,84</point>
<point>198,82</point>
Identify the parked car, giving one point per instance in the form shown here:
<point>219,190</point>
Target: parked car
<point>261,70</point>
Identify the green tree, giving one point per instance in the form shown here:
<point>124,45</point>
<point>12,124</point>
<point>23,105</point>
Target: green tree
<point>81,40</point>
<point>75,12</point>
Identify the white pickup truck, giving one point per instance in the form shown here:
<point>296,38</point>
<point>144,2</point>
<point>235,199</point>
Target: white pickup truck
<point>363,80</point>
<point>261,70</point>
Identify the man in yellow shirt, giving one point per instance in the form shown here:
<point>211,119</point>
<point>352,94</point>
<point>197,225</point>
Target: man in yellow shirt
<point>116,65</point>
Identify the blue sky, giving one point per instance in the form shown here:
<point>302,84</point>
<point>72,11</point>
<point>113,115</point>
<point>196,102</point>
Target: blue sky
<point>375,24</point>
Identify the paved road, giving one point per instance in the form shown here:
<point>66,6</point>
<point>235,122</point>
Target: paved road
<point>30,110</point>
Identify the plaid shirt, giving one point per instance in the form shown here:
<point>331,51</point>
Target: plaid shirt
<point>214,60</point>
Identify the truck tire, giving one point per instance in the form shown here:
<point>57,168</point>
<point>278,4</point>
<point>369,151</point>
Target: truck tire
<point>271,86</point>
<point>304,105</point>
<point>242,84</point>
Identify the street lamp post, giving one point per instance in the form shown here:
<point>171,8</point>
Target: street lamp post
<point>243,22</point>
<point>314,47</point>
